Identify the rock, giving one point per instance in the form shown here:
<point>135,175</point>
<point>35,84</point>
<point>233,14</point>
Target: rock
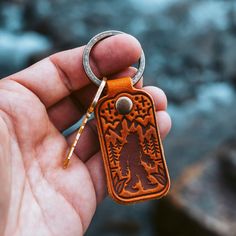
<point>185,46</point>
<point>228,162</point>
<point>16,50</point>
<point>187,43</point>
<point>200,203</point>
<point>200,125</point>
<point>17,46</point>
<point>118,220</point>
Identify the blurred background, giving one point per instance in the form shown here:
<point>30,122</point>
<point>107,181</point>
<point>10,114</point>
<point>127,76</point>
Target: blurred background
<point>190,46</point>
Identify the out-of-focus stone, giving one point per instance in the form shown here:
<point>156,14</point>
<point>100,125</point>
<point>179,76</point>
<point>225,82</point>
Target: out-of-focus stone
<point>17,46</point>
<point>228,163</point>
<point>16,49</point>
<point>113,219</point>
<point>201,201</point>
<point>186,43</point>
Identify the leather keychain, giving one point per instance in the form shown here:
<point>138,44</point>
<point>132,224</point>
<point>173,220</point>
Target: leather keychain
<point>130,142</point>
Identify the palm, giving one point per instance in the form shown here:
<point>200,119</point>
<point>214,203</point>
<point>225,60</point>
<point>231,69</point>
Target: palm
<point>46,194</point>
<point>40,197</point>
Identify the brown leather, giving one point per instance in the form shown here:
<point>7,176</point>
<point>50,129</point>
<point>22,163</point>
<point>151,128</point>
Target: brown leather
<point>131,146</point>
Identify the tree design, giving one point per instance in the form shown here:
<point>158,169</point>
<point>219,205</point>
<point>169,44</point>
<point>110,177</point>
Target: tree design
<point>118,143</point>
<point>160,175</point>
<point>154,146</point>
<point>113,153</point>
<point>146,145</point>
<point>135,164</point>
<point>119,183</point>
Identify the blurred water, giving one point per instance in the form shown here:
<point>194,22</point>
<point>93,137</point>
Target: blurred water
<point>211,13</point>
<point>18,48</point>
<point>152,5</point>
<point>17,45</point>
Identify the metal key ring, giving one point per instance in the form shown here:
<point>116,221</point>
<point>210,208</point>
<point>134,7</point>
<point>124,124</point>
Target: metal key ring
<point>94,41</point>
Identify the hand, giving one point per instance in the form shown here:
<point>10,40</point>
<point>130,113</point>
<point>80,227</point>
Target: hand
<point>38,196</point>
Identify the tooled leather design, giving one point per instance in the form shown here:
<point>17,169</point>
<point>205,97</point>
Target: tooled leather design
<point>132,149</point>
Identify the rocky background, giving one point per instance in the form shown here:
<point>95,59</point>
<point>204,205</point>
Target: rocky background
<point>190,46</point>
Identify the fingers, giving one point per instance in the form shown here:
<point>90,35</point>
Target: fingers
<point>66,113</point>
<point>164,123</point>
<point>88,149</point>
<point>89,139</point>
<point>158,96</point>
<point>97,173</point>
<point>57,76</point>
<point>89,144</point>
<point>70,109</point>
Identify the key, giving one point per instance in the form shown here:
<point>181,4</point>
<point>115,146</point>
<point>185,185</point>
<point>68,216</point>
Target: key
<point>84,121</point>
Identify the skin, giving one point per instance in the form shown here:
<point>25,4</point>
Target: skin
<point>38,196</point>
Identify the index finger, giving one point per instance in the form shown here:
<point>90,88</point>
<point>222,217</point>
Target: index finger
<point>57,76</point>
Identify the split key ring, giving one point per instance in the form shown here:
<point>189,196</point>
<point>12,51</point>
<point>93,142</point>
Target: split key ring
<point>93,42</point>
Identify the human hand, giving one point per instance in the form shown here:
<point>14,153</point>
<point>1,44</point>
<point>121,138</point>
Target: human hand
<point>38,196</point>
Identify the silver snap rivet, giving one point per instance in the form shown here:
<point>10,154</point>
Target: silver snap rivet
<point>124,105</point>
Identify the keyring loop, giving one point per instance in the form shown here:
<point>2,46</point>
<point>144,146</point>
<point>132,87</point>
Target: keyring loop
<point>94,41</point>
